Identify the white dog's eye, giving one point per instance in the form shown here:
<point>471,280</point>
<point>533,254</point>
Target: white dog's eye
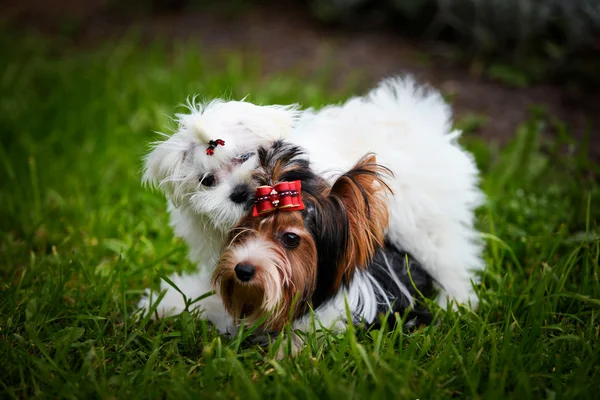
<point>208,180</point>
<point>290,240</point>
<point>244,157</point>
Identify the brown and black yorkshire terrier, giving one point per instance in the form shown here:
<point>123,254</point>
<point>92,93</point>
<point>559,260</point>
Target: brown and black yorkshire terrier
<point>311,245</point>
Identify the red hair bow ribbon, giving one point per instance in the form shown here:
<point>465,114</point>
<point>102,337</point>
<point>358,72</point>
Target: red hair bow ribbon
<point>212,145</point>
<point>284,196</point>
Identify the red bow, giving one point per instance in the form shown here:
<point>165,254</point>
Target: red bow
<point>284,196</point>
<point>212,145</point>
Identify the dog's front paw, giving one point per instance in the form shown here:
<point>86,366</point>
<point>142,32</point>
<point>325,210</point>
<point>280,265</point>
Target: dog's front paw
<point>290,346</point>
<point>159,307</point>
<point>144,306</point>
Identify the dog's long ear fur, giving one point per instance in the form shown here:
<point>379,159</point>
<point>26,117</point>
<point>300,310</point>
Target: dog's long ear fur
<point>360,197</point>
<point>161,164</point>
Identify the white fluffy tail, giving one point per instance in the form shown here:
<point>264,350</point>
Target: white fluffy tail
<point>399,97</point>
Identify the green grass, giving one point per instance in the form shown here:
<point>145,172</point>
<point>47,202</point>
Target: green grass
<point>81,239</point>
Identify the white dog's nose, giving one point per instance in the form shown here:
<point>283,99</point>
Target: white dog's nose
<point>240,194</point>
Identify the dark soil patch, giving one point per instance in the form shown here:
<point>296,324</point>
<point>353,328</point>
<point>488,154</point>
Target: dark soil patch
<point>286,36</point>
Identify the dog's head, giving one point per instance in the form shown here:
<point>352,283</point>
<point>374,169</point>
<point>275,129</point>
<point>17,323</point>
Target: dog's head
<point>276,265</point>
<point>207,164</point>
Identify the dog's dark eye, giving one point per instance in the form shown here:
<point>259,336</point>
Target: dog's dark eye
<point>208,180</point>
<point>244,157</point>
<point>290,240</point>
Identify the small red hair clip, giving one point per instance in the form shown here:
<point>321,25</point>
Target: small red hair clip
<point>212,145</point>
<point>284,196</point>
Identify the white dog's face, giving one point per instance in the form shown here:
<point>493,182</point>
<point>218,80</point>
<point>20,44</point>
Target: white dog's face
<point>218,186</point>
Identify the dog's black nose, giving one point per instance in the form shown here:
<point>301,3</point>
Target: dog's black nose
<point>240,194</point>
<point>244,272</point>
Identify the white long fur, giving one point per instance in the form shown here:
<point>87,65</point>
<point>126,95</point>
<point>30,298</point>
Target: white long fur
<point>407,126</point>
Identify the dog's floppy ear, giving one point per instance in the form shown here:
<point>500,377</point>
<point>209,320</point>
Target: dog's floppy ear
<point>360,195</point>
<point>166,159</point>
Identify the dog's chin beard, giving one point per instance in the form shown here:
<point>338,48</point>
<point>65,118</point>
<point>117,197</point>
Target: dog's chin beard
<point>229,214</point>
<point>250,305</point>
<point>223,217</point>
<point>243,300</point>
<point>261,299</point>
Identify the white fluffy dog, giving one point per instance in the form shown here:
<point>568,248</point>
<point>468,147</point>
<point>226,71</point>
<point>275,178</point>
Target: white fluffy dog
<point>407,126</point>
